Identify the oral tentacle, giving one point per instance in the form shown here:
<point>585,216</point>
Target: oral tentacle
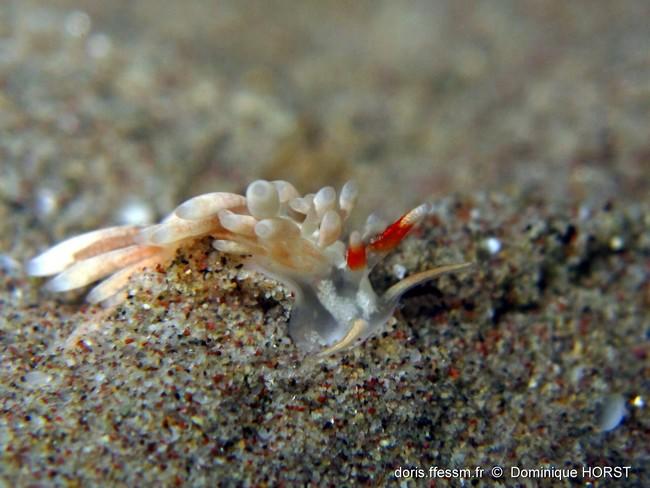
<point>399,288</point>
<point>356,331</point>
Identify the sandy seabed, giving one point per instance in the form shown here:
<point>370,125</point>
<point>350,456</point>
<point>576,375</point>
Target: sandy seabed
<point>524,124</point>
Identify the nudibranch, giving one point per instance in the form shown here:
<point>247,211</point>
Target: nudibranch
<point>292,238</point>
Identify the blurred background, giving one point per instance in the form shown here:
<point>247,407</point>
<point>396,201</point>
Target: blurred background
<point>115,112</point>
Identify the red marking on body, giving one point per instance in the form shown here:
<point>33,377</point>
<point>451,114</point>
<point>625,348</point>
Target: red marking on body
<point>392,236</point>
<point>356,257</point>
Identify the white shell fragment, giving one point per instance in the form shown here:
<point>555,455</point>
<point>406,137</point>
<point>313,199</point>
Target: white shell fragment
<point>611,413</point>
<point>37,379</point>
<point>492,245</point>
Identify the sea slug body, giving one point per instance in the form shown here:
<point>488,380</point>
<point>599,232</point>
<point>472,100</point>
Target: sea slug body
<point>292,238</point>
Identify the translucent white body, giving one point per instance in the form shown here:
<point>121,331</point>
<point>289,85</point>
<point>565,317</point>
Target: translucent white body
<point>292,238</point>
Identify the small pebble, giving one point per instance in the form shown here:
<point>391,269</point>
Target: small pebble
<point>135,212</point>
<point>77,23</point>
<point>9,265</point>
<point>584,212</point>
<point>616,243</point>
<point>638,402</point>
<point>99,46</point>
<point>399,271</point>
<point>46,202</point>
<point>492,244</point>
<point>612,413</point>
<point>37,379</point>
